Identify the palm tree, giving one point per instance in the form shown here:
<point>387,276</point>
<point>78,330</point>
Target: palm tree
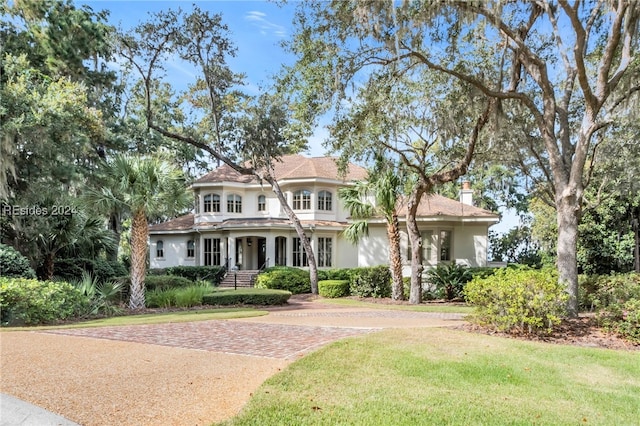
<point>375,197</point>
<point>146,188</point>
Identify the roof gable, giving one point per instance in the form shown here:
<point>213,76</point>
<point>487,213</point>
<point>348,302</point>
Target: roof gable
<point>436,205</point>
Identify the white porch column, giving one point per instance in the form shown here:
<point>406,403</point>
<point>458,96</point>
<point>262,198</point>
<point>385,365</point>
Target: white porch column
<point>271,249</point>
<point>231,241</point>
<point>290,249</point>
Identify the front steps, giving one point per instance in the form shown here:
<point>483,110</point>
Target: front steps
<point>240,279</point>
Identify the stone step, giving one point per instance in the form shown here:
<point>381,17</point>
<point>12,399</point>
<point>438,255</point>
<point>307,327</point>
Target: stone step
<point>244,278</point>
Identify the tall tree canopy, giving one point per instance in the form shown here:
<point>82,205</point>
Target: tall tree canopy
<point>559,70</point>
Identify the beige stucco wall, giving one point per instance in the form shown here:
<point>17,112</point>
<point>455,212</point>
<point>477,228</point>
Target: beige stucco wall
<point>175,251</point>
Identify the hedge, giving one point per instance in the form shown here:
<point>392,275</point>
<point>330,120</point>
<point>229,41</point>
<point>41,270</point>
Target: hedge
<point>213,274</point>
<point>30,302</point>
<point>333,288</point>
<point>253,296</point>
<point>71,269</point>
<point>373,281</point>
<point>294,280</point>
<point>518,300</point>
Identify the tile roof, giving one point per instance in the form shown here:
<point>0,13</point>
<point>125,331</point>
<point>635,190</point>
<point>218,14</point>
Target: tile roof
<point>182,223</point>
<point>290,167</point>
<point>437,205</point>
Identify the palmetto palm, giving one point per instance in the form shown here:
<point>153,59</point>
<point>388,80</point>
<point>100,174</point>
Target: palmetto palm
<point>146,188</point>
<point>377,197</point>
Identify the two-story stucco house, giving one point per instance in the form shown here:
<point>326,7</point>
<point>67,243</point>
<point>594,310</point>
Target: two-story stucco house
<point>239,222</point>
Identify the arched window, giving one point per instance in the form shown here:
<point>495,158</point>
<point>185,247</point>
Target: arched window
<point>302,200</point>
<point>191,248</point>
<point>211,203</point>
<point>324,200</point>
<point>262,203</point>
<point>159,248</point>
<point>234,203</point>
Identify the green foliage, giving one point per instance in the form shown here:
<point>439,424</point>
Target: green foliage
<point>103,296</point>
<point>185,297</point>
<point>373,281</point>
<point>29,302</point>
<point>516,246</point>
<point>161,282</point>
<point>71,269</point>
<point>255,296</point>
<point>284,278</point>
<point>449,279</point>
<point>213,274</point>
<point>334,274</point>
<point>333,288</point>
<point>617,299</point>
<point>518,300</point>
<point>14,264</point>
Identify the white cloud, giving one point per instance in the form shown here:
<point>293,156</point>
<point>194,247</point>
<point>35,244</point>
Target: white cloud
<point>259,19</point>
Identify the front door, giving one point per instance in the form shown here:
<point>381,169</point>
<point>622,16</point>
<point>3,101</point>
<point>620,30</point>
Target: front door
<point>262,252</point>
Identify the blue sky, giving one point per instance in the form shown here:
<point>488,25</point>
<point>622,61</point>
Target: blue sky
<point>257,28</point>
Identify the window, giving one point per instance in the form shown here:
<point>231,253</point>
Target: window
<point>191,248</point>
<point>234,203</point>
<point>262,203</point>
<point>212,203</point>
<point>427,246</point>
<point>211,251</point>
<point>445,246</point>
<point>324,252</point>
<point>324,200</point>
<point>302,200</point>
<point>299,255</point>
<point>159,249</point>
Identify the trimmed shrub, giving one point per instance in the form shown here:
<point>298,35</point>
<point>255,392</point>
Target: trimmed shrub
<point>165,281</point>
<point>622,319</point>
<point>482,271</point>
<point>293,280</point>
<point>160,298</point>
<point>374,281</point>
<point>449,279</point>
<point>334,274</point>
<point>14,264</point>
<point>29,302</point>
<point>518,300</point>
<point>213,274</point>
<point>333,288</point>
<point>156,271</point>
<point>253,296</point>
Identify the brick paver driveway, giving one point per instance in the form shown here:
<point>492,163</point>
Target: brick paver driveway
<point>286,333</point>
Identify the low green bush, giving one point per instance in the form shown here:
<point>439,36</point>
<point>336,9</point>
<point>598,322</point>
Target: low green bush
<point>333,288</point>
<point>14,264</point>
<point>518,300</point>
<point>160,298</point>
<point>372,281</point>
<point>185,297</point>
<point>213,274</point>
<point>482,271</point>
<point>30,302</point>
<point>334,274</point>
<point>252,296</point>
<point>166,281</point>
<point>616,297</point>
<point>293,280</point>
<point>449,279</point>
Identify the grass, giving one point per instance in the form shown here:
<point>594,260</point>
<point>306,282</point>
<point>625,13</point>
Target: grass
<point>436,307</point>
<point>159,318</point>
<point>446,377</point>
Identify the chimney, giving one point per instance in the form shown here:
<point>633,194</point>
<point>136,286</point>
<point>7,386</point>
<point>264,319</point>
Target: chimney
<point>466,194</point>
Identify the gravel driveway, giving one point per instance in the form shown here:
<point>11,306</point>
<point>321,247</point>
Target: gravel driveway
<point>176,374</point>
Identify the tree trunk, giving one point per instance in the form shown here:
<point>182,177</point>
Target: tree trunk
<point>115,225</point>
<point>568,209</point>
<point>306,244</point>
<point>636,234</point>
<point>139,233</point>
<point>395,259</point>
<point>415,296</point>
<point>49,265</point>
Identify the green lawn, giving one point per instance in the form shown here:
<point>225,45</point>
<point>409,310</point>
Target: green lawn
<point>434,307</point>
<point>180,316</point>
<point>440,377</point>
